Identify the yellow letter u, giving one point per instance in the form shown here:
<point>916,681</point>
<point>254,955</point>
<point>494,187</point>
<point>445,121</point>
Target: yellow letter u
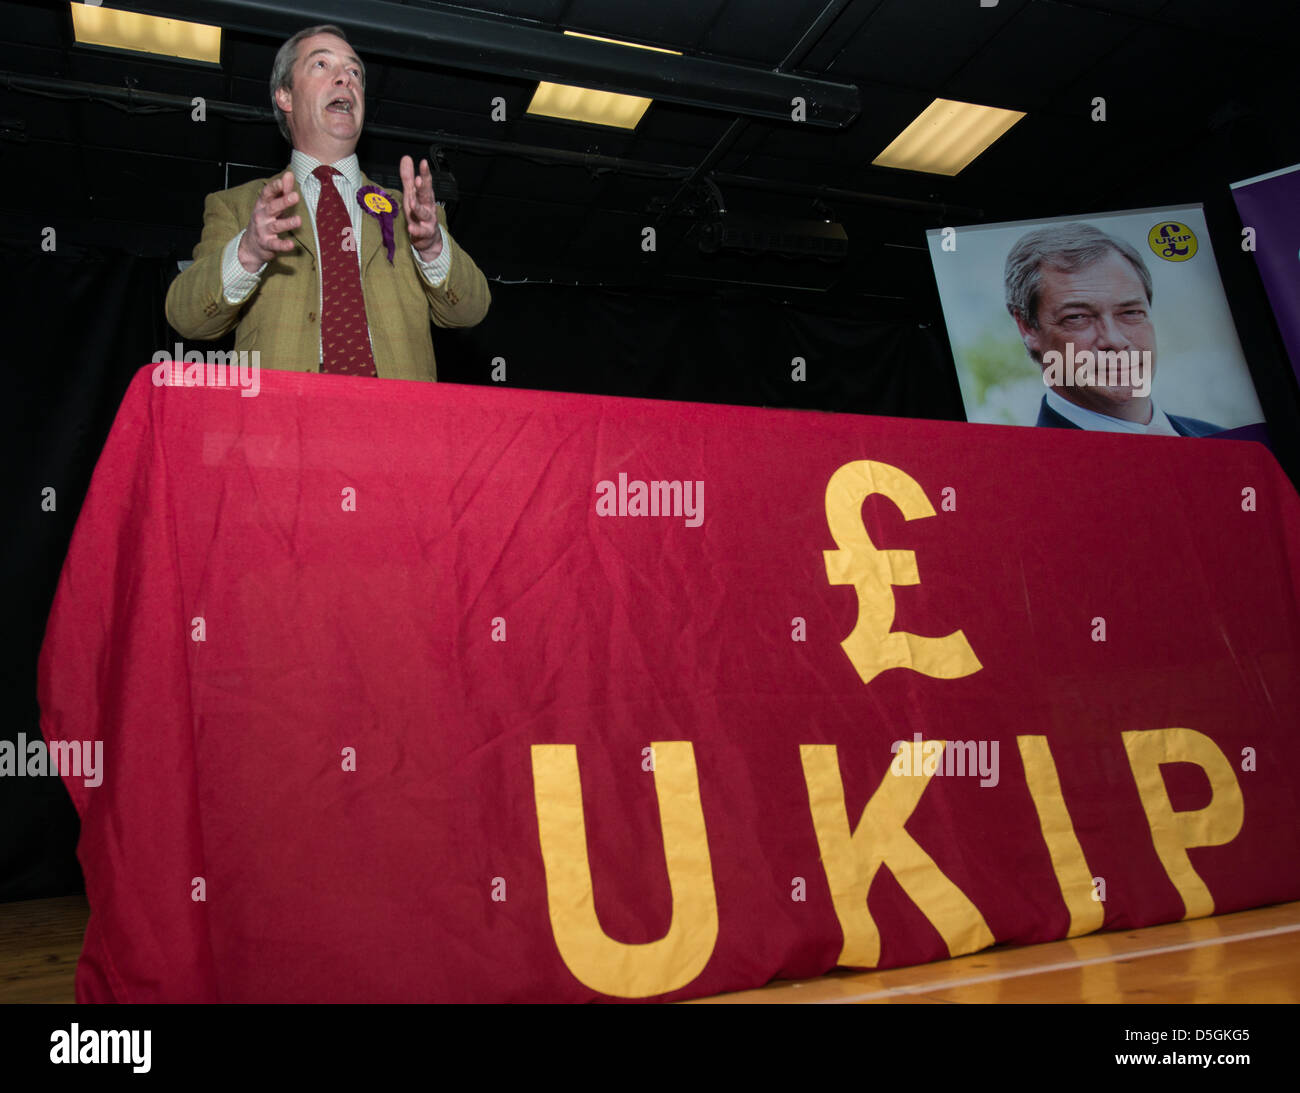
<point>595,959</point>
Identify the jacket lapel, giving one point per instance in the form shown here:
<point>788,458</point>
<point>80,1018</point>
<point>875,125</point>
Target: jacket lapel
<point>372,236</point>
<point>303,233</point>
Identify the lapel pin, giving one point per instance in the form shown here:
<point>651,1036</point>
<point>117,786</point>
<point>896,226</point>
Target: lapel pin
<point>379,205</point>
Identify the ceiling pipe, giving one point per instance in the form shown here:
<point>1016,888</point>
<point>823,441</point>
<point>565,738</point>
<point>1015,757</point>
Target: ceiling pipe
<point>831,194</point>
<point>666,171</point>
<point>517,51</point>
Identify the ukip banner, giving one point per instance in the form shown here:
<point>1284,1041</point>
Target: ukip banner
<point>1267,206</point>
<point>414,692</point>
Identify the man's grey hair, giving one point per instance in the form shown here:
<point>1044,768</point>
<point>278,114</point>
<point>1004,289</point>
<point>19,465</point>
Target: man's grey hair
<point>287,58</point>
<point>1068,248</point>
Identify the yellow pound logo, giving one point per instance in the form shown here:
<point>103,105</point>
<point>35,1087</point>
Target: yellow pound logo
<point>378,204</point>
<point>1172,241</point>
<point>874,646</point>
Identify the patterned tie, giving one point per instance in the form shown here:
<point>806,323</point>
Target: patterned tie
<point>345,335</point>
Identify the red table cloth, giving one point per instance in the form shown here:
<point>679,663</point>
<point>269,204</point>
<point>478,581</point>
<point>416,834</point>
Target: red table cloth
<point>416,692</point>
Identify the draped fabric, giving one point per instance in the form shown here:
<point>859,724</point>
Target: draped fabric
<point>427,692</point>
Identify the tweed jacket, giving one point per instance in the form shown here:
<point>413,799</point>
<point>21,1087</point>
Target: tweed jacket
<point>281,319</point>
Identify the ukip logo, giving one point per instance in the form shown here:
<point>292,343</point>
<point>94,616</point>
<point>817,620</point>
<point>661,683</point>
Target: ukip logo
<point>1172,241</point>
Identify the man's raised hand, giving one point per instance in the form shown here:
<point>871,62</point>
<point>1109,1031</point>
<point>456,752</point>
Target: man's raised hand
<point>421,209</point>
<point>261,241</point>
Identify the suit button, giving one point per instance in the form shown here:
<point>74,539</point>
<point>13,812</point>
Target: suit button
<point>311,316</point>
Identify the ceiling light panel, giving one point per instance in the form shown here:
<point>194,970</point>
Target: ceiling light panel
<point>581,104</point>
<point>946,137</point>
<point>129,30</point>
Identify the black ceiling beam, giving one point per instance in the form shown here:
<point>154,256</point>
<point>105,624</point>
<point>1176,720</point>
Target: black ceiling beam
<point>134,99</point>
<point>455,39</point>
<point>810,37</point>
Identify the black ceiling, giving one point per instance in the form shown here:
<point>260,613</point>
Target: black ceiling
<point>1198,93</point>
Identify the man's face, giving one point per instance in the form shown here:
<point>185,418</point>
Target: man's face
<point>1102,307</point>
<point>327,106</point>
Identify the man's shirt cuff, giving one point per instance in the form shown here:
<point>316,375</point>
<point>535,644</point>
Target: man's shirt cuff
<point>435,272</point>
<point>237,283</point>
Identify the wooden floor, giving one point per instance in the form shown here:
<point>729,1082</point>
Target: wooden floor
<point>40,941</point>
<point>1251,956</point>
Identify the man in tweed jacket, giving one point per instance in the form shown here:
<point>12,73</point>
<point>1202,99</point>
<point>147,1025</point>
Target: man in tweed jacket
<point>256,268</point>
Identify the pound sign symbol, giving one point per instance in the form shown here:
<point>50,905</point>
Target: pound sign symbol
<point>872,646</point>
<point>1169,233</point>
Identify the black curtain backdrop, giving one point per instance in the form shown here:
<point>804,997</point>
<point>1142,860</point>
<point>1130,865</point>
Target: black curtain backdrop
<point>79,323</point>
<point>704,347</point>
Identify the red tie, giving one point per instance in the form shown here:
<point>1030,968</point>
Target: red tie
<point>345,335</point>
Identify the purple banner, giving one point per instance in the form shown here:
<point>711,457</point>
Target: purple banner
<point>1268,204</point>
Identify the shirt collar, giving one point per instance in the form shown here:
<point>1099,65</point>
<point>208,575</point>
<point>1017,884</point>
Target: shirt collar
<point>1090,419</point>
<point>303,165</point>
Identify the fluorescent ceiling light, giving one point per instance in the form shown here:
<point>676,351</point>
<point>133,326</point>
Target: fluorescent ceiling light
<point>946,137</point>
<point>555,100</point>
<point>98,26</point>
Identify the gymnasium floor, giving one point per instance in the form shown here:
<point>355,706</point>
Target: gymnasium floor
<point>1250,956</point>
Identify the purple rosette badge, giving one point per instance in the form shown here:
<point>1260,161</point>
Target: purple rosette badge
<point>379,205</point>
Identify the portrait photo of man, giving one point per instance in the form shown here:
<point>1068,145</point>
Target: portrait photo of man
<point>1082,303</point>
